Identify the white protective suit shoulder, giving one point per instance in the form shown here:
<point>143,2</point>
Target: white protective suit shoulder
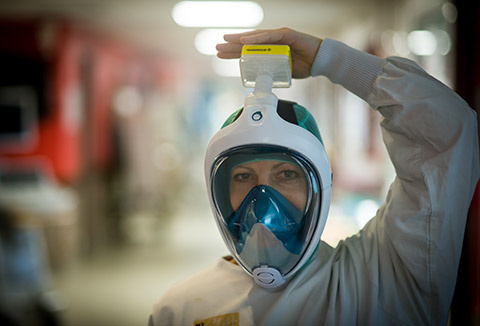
<point>401,267</point>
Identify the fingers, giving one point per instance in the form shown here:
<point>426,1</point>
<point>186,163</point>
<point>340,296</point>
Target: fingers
<point>233,47</point>
<point>235,38</point>
<point>229,47</point>
<point>229,50</point>
<point>228,55</point>
<point>260,36</point>
<point>265,37</point>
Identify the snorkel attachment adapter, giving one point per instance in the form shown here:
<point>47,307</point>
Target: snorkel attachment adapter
<point>261,60</point>
<point>264,67</point>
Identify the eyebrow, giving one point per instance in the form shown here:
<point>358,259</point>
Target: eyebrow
<point>242,167</point>
<point>282,163</point>
<point>273,167</point>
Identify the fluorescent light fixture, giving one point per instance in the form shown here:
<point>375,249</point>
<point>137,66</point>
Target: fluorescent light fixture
<point>207,39</point>
<point>217,13</point>
<point>422,42</point>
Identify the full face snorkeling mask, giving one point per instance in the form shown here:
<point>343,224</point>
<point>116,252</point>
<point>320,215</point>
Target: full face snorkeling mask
<point>268,177</point>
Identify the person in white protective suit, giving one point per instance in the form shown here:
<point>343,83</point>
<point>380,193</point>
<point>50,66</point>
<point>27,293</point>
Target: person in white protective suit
<point>269,182</point>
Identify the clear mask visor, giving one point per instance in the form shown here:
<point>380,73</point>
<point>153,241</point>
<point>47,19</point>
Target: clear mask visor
<point>267,204</point>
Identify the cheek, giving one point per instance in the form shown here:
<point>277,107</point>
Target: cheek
<point>237,194</point>
<point>298,199</point>
<point>297,195</point>
<point>235,201</point>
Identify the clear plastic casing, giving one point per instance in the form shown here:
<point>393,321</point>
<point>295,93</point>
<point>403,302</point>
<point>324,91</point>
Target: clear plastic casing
<point>277,66</point>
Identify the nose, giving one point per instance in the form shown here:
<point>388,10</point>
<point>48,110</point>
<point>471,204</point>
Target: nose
<point>263,180</point>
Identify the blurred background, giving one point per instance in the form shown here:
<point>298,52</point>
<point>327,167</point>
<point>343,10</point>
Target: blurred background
<point>106,109</point>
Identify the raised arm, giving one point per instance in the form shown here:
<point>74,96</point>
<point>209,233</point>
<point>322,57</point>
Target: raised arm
<point>412,247</point>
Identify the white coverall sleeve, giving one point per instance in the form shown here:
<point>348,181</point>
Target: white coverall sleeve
<point>412,247</point>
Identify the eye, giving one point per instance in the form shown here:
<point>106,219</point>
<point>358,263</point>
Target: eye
<point>289,174</point>
<point>241,177</point>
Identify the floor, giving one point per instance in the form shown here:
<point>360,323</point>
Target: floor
<point>119,286</point>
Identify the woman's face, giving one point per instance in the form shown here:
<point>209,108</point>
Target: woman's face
<point>287,178</point>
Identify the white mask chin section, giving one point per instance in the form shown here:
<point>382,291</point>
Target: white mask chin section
<point>268,277</point>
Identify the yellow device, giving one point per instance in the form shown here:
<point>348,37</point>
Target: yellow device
<point>272,60</point>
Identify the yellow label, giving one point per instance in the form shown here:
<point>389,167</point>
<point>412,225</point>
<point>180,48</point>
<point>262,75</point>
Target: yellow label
<point>232,319</point>
<point>266,49</point>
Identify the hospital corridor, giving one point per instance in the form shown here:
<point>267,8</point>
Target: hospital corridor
<point>106,112</point>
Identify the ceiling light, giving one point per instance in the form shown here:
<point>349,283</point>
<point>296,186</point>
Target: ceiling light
<point>217,13</point>
<point>422,43</point>
<point>207,39</point>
